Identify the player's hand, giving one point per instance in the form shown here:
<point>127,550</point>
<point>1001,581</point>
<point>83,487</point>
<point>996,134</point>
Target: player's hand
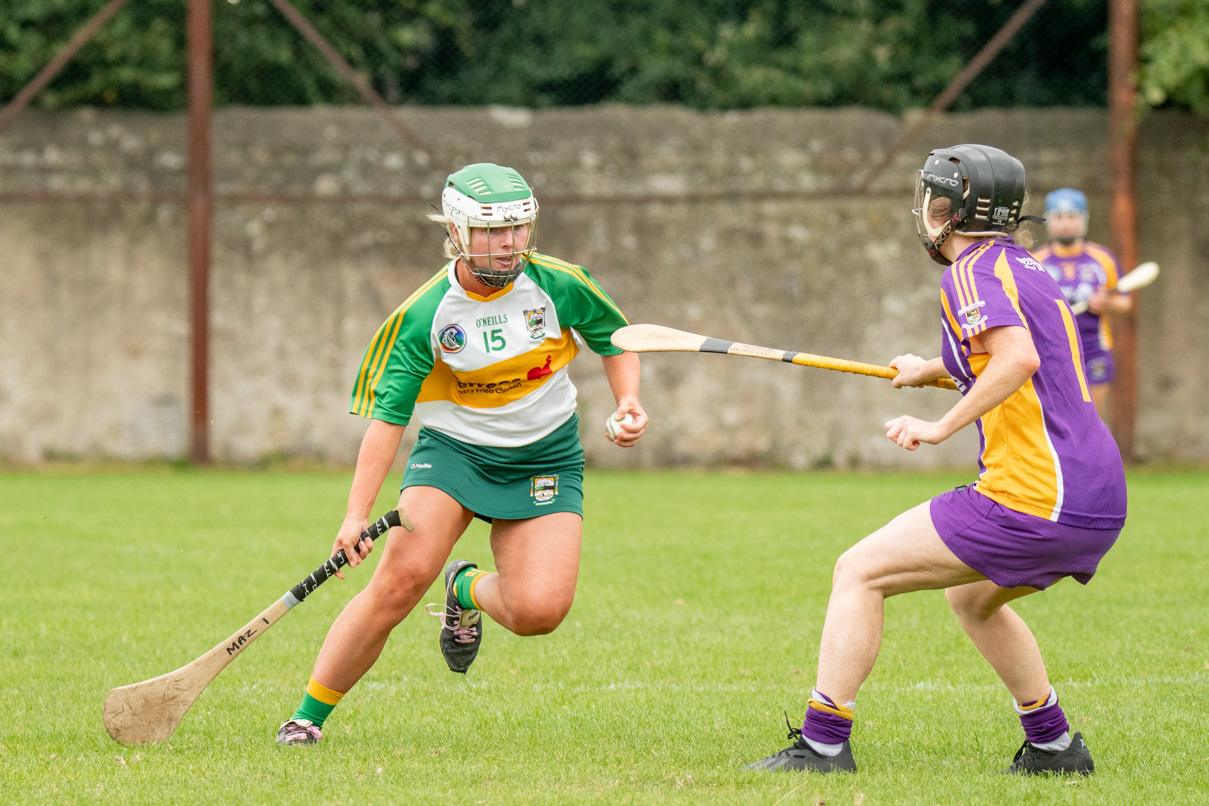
<point>347,537</point>
<point>628,432</point>
<point>1098,302</point>
<point>908,432</point>
<point>910,371</point>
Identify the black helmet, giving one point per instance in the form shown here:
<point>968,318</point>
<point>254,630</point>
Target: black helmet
<point>985,185</point>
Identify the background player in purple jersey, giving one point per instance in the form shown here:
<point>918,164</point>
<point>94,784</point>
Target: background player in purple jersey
<point>1049,501</point>
<point>1086,272</point>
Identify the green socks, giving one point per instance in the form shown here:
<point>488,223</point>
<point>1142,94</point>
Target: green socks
<point>463,586</point>
<point>317,704</point>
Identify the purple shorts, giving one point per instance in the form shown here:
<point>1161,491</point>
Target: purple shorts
<point>1012,549</point>
<point>1100,367</point>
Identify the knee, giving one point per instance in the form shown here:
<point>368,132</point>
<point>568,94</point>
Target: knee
<point>970,605</point>
<point>395,598</point>
<point>850,571</point>
<point>538,618</point>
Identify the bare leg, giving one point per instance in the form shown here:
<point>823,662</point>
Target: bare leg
<point>410,562</point>
<point>538,562</point>
<point>904,555</point>
<point>1002,636</point>
<point>1099,396</point>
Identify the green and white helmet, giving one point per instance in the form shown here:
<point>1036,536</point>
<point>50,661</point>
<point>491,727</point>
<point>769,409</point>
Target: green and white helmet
<point>492,197</point>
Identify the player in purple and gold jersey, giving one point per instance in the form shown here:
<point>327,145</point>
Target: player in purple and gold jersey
<point>1049,501</point>
<point>479,356</point>
<point>1086,272</point>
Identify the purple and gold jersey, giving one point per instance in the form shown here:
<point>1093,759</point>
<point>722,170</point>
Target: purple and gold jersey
<point>1081,272</point>
<point>1044,450</point>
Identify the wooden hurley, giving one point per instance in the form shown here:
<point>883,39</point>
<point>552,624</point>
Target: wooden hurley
<point>660,339</point>
<point>150,711</point>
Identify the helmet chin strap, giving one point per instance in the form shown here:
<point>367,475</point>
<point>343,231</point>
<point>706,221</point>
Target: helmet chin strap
<point>933,244</point>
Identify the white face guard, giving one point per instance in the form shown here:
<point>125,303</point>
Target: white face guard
<point>933,237</point>
<point>923,198</point>
<point>465,214</point>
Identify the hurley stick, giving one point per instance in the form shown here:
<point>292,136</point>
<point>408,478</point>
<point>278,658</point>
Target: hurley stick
<point>149,711</point>
<point>1145,274</point>
<point>660,339</point>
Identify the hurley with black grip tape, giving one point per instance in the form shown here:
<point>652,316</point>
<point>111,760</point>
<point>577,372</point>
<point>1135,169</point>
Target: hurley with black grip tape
<point>150,711</point>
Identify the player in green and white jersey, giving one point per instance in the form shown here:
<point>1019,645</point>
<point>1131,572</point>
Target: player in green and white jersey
<point>479,356</point>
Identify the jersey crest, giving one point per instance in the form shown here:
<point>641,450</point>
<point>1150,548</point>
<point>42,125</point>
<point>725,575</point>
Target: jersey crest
<point>452,339</point>
<point>535,321</point>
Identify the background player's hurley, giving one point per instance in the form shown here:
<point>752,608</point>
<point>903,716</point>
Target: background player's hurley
<point>1142,276</point>
<point>660,339</point>
<point>151,710</point>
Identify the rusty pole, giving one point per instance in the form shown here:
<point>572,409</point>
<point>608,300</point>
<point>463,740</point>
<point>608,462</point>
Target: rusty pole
<point>956,87</point>
<point>359,82</point>
<point>200,195</point>
<point>1123,218</point>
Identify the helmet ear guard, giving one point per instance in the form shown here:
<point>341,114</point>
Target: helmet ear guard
<point>985,187</point>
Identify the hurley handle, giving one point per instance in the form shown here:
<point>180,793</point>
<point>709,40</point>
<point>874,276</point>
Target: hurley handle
<point>321,574</point>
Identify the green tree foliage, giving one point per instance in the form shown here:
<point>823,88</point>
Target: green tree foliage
<point>706,54</point>
<point>1175,53</point>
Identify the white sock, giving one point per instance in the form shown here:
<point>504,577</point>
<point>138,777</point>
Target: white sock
<point>828,750</point>
<point>1057,745</point>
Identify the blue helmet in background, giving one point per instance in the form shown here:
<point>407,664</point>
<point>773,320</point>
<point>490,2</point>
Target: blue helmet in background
<point>1066,200</point>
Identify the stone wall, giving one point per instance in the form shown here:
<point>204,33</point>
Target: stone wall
<point>741,225</point>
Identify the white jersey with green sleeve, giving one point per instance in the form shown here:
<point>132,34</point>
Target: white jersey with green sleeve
<point>487,370</point>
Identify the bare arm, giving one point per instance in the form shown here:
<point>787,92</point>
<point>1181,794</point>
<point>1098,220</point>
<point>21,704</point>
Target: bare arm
<point>1013,360</point>
<point>913,370</point>
<point>624,372</point>
<point>378,449</point>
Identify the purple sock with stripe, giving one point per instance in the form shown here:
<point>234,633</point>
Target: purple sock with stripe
<point>822,724</point>
<point>1043,720</point>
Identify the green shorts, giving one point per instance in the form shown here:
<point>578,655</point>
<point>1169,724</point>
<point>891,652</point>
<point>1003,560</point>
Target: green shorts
<point>510,483</point>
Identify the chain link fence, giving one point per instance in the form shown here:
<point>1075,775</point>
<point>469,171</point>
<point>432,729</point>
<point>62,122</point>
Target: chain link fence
<point>705,54</point>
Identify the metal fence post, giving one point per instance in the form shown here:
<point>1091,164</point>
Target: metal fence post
<point>200,194</point>
<point>1123,168</point>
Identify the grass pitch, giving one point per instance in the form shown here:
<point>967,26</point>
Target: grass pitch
<point>695,626</point>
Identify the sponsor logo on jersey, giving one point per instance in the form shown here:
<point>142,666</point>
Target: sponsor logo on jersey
<point>535,320</point>
<point>452,338</point>
<point>491,321</point>
<point>493,388</point>
<point>973,313</point>
<point>543,489</point>
<point>420,466</point>
<point>1029,263</point>
<point>540,372</point>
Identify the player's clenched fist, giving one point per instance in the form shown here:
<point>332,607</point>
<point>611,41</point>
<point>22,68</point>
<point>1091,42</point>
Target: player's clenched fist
<point>908,432</point>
